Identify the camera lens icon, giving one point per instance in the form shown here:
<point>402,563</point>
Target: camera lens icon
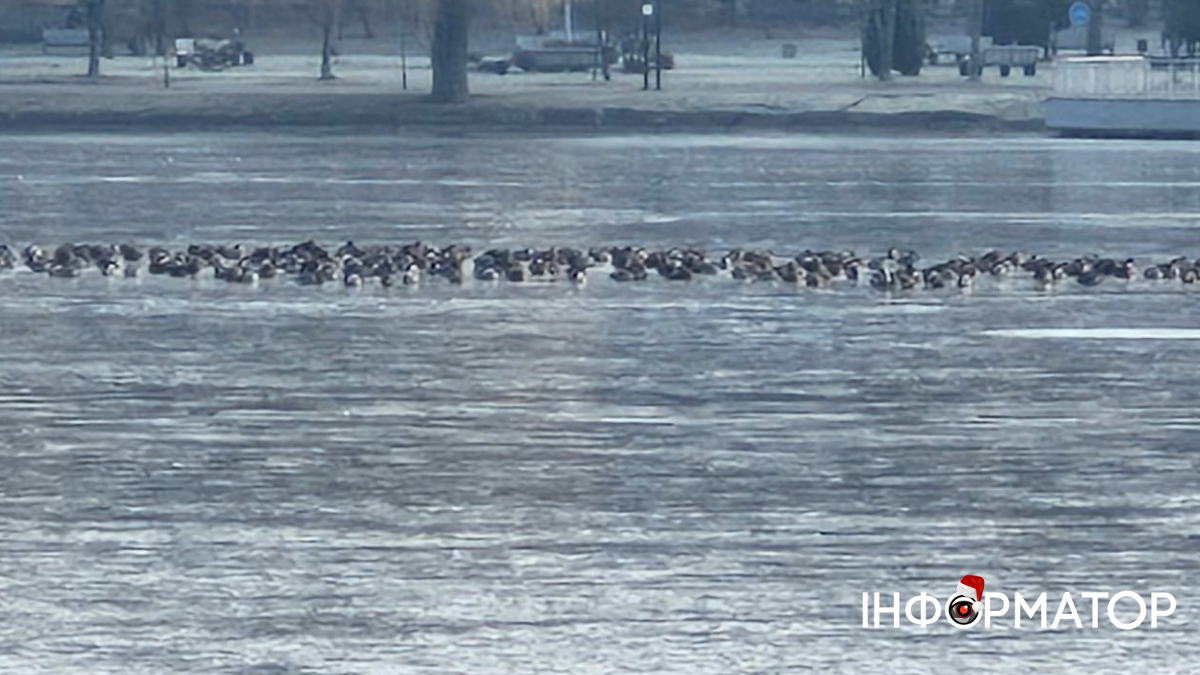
<point>962,611</point>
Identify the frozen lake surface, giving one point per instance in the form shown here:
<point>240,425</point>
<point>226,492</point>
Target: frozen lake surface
<point>696,478</point>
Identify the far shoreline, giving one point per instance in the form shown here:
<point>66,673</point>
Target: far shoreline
<point>736,88</point>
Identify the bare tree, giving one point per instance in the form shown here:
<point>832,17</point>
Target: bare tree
<point>449,53</point>
<point>184,15</point>
<point>365,11</point>
<point>1136,11</point>
<point>1181,25</point>
<point>327,14</point>
<point>158,25</point>
<point>95,28</point>
<point>879,32</point>
<point>239,12</point>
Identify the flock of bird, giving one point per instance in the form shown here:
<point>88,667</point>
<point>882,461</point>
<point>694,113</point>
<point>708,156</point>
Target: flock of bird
<point>409,264</point>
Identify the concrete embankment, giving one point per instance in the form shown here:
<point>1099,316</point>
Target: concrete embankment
<point>64,108</point>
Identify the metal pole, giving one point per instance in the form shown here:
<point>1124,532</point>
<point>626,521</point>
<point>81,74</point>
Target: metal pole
<point>602,63</point>
<point>568,21</point>
<point>975,66</point>
<point>658,45</point>
<point>403,53</point>
<point>645,53</point>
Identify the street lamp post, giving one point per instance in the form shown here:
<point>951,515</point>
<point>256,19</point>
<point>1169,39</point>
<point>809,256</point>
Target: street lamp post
<point>569,21</point>
<point>647,14</point>
<point>403,54</point>
<point>658,45</point>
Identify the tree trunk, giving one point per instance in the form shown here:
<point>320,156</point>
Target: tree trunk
<point>327,29</point>
<point>887,45</point>
<point>1181,20</point>
<point>1095,30</point>
<point>239,12</point>
<point>95,18</point>
<point>365,13</point>
<point>909,48</point>
<point>894,37</point>
<point>1136,11</point>
<point>449,54</point>
<point>183,10</point>
<point>879,37</point>
<point>159,21</point>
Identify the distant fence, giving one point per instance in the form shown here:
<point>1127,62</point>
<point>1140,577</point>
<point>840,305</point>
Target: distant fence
<point>1125,77</point>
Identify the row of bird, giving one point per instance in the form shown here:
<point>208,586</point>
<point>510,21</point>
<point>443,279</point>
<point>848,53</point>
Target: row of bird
<point>353,265</point>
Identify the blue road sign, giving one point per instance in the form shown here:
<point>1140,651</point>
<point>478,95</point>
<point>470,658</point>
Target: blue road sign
<point>1080,14</point>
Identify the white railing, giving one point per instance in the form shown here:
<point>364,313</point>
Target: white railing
<point>1127,77</point>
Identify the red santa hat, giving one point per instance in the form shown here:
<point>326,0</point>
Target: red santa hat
<point>971,586</point>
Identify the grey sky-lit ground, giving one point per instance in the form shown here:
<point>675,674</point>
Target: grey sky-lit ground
<point>724,71</point>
